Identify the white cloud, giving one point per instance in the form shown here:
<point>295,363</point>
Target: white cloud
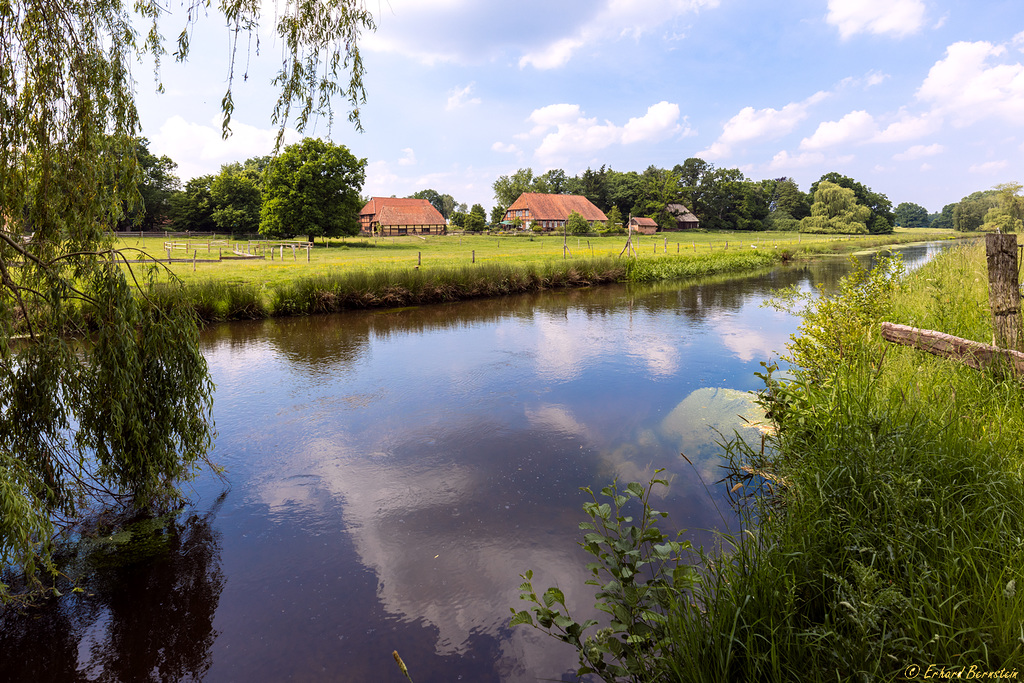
<point>919,152</point>
<point>199,149</point>
<point>660,121</point>
<point>926,167</point>
<point>785,161</point>
<point>617,19</point>
<point>1018,41</point>
<point>576,134</point>
<point>380,180</point>
<point>909,127</point>
<point>989,167</point>
<point>554,115</point>
<point>968,87</point>
<point>874,78</point>
<point>856,126</point>
<point>894,17</point>
<point>459,97</point>
<point>554,55</point>
<point>504,148</point>
<point>409,159</point>
<point>760,124</point>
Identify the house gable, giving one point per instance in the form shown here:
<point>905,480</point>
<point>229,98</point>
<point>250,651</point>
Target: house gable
<point>552,210</point>
<point>401,216</point>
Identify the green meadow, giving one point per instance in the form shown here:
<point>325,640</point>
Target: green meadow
<point>367,253</point>
<point>362,272</point>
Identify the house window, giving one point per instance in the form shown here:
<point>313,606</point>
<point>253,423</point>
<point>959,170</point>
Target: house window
<point>403,231</point>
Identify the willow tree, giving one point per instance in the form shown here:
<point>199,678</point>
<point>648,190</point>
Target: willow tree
<point>835,210</point>
<point>104,396</point>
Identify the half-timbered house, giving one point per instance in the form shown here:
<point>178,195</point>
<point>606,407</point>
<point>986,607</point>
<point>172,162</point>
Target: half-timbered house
<point>394,216</point>
<point>550,211</point>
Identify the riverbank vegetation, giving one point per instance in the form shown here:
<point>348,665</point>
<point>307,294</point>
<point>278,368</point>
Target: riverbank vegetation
<point>883,520</point>
<point>401,271</point>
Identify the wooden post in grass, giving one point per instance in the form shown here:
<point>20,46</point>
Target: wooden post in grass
<point>194,254</point>
<point>1003,289</point>
<point>419,259</point>
<point>473,256</point>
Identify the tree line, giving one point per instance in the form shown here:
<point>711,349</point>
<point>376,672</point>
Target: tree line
<point>313,188</point>
<point>722,198</point>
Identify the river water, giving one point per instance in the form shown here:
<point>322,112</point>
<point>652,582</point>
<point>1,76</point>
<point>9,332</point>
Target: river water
<point>390,474</point>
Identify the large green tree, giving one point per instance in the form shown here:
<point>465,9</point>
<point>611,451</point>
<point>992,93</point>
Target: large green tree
<point>123,414</point>
<point>1008,213</point>
<point>192,208</point>
<point>944,219</point>
<point>313,188</point>
<point>881,219</point>
<point>507,188</point>
<point>476,219</point>
<point>237,197</point>
<point>969,213</point>
<point>835,210</point>
<point>657,189</point>
<point>156,185</point>
<point>910,215</point>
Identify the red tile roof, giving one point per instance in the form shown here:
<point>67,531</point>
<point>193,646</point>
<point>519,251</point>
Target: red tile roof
<point>556,207</point>
<point>645,222</point>
<point>395,211</point>
<point>377,203</point>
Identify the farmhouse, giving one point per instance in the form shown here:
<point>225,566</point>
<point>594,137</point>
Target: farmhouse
<point>550,211</point>
<point>644,226</point>
<point>685,220</point>
<point>393,216</point>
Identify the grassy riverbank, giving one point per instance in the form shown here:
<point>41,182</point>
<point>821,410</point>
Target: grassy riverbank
<point>887,526</point>
<point>402,271</point>
<point>883,520</point>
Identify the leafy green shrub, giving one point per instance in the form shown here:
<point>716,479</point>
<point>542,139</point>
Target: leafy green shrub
<point>834,326</point>
<point>639,575</point>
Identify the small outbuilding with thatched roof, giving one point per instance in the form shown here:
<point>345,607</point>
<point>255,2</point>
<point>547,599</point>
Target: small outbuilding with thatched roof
<point>394,216</point>
<point>685,220</point>
<point>551,211</point>
<point>644,226</point>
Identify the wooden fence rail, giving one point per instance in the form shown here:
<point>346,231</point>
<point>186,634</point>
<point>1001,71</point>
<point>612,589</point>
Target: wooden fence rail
<point>971,353</point>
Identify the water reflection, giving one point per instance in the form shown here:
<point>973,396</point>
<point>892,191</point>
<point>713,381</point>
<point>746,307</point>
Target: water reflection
<point>145,620</point>
<point>393,472</point>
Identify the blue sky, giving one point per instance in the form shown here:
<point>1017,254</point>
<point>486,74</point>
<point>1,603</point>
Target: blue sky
<point>922,100</point>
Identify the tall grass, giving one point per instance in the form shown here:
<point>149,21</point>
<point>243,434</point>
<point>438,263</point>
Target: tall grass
<point>886,529</point>
<point>691,267</point>
<point>327,291</point>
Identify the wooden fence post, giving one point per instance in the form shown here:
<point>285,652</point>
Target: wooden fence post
<point>1003,290</point>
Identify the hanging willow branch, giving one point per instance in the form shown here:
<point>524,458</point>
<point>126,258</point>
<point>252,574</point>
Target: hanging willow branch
<point>124,411</point>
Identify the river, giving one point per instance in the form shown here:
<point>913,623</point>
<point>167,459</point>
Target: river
<point>390,474</point>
